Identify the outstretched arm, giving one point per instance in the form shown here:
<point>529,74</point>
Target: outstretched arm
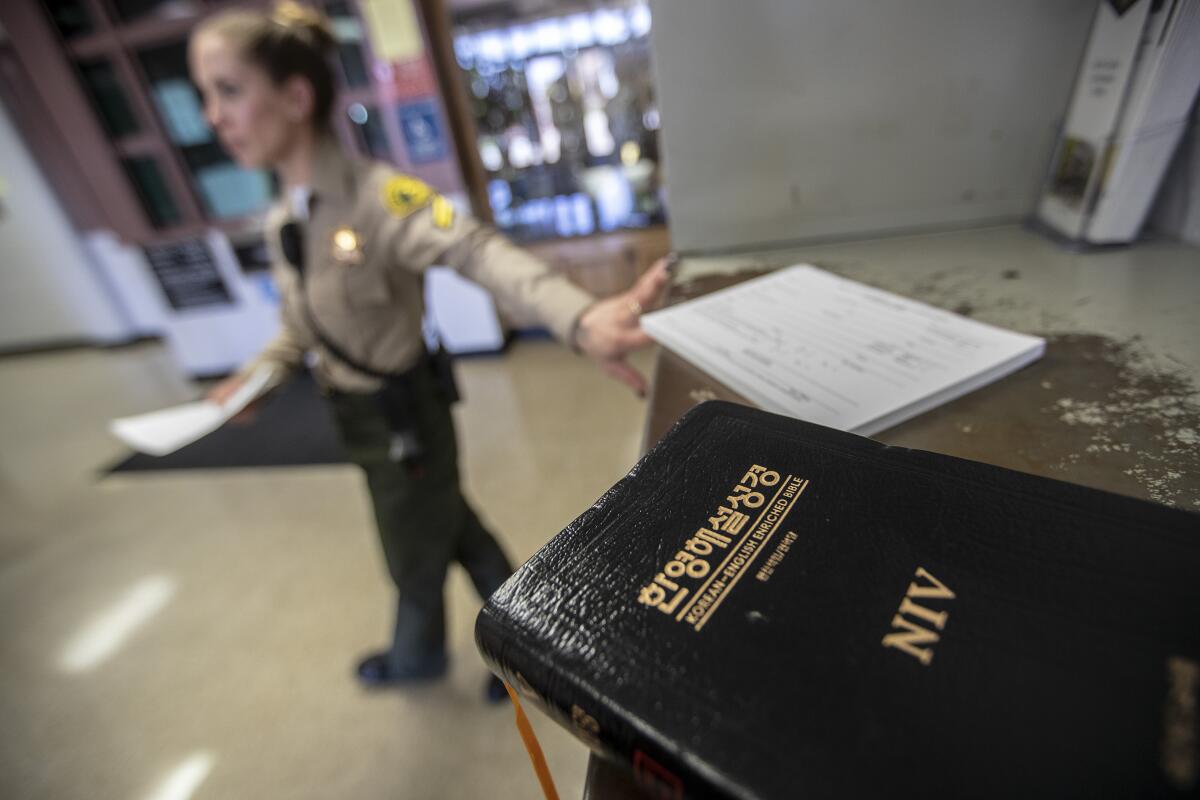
<point>609,330</point>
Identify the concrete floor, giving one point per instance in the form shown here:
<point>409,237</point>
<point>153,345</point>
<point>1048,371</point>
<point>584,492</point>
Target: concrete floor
<point>258,589</point>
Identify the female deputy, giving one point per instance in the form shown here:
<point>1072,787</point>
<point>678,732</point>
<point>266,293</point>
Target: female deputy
<point>350,241</point>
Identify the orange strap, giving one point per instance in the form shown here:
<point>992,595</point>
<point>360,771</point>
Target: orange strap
<point>532,747</point>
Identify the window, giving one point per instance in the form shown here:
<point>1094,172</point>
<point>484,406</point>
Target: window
<point>567,120</point>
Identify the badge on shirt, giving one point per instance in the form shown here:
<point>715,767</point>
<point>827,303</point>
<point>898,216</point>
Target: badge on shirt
<point>403,195</point>
<point>347,246</point>
<point>443,212</point>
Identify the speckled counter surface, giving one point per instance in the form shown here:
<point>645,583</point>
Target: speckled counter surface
<point>1113,404</point>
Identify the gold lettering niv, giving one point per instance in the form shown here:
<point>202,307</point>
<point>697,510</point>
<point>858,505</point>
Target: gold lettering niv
<point>912,622</point>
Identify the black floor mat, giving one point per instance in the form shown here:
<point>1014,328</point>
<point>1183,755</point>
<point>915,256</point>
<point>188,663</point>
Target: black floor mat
<point>293,428</point>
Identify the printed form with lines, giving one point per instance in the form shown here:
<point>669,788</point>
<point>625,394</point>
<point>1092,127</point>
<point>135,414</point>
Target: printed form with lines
<point>803,342</point>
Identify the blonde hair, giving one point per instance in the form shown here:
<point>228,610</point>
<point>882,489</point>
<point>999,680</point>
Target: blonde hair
<point>293,40</point>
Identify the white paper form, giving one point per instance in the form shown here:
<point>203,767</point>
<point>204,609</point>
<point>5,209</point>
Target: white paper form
<point>161,432</point>
<point>806,343</point>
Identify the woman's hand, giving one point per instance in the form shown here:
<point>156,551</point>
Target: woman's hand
<point>224,390</point>
<point>610,329</point>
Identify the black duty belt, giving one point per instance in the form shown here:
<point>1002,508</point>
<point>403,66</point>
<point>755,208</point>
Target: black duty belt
<point>398,393</point>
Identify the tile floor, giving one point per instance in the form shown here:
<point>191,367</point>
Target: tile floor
<point>248,594</point>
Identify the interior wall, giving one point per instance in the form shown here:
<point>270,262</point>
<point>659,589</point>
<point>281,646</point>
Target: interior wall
<point>793,120</point>
<point>1177,210</point>
<point>49,291</point>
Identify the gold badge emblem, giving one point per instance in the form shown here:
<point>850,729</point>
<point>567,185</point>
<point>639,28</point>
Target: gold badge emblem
<point>443,212</point>
<point>347,247</point>
<point>403,195</point>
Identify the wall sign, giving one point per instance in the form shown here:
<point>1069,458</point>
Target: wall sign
<point>188,274</point>
<point>422,129</point>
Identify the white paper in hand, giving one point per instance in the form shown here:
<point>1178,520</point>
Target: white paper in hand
<point>161,432</point>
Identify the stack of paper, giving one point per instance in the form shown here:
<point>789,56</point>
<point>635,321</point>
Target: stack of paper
<point>817,347</point>
<point>161,432</point>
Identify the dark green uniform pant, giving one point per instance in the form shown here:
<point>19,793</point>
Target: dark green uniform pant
<point>424,521</point>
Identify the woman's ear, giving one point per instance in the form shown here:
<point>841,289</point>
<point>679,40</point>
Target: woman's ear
<point>299,98</point>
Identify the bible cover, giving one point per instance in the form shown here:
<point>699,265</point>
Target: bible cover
<point>766,608</point>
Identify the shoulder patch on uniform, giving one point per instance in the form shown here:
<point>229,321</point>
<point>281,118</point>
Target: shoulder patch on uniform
<point>443,212</point>
<point>403,195</point>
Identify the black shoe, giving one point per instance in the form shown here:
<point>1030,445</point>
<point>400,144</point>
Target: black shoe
<point>376,671</point>
<point>494,691</point>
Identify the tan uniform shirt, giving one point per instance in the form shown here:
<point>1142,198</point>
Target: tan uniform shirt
<point>370,235</point>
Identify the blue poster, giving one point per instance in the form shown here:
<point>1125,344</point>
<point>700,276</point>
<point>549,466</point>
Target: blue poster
<point>422,131</point>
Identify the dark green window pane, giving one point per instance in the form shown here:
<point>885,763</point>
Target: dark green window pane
<point>152,191</point>
<point>175,98</point>
<point>166,62</point>
<point>348,30</point>
<point>354,64</point>
<point>228,191</point>
<point>132,9</point>
<point>70,17</point>
<point>369,126</point>
<point>107,94</point>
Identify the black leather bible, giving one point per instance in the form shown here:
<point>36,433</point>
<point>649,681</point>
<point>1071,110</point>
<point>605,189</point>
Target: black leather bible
<point>765,608</point>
